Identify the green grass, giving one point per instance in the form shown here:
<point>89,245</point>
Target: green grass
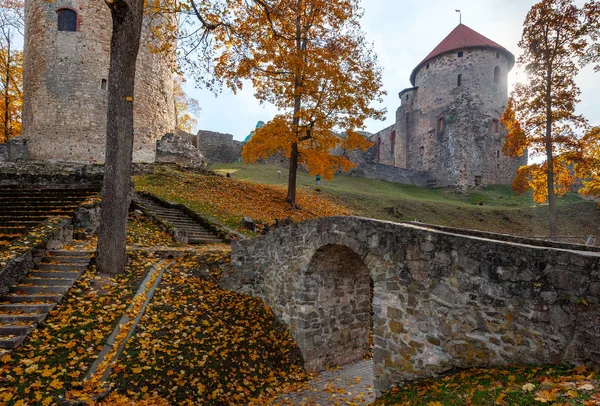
<point>495,208</point>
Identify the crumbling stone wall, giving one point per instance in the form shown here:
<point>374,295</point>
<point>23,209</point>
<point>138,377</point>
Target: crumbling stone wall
<point>441,299</point>
<point>218,147</point>
<point>14,150</point>
<point>65,78</point>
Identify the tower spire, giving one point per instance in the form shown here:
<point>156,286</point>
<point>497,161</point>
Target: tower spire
<point>459,16</point>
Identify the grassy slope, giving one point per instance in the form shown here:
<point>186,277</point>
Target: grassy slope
<point>496,208</point>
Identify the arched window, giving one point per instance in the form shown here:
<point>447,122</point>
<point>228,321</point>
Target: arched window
<point>496,75</point>
<point>459,81</point>
<point>67,19</point>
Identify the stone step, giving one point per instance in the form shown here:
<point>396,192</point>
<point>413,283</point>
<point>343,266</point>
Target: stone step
<point>82,254</point>
<point>11,342</point>
<point>39,290</point>
<point>56,274</point>
<point>22,318</point>
<point>36,219</point>
<point>203,241</point>
<point>43,266</point>
<point>13,230</point>
<point>9,237</point>
<point>66,259</point>
<point>47,281</point>
<point>27,308</point>
<point>31,298</point>
<point>13,330</point>
<point>12,222</point>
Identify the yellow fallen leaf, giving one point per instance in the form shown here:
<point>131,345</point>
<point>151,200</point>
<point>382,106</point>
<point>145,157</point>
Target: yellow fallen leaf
<point>528,387</point>
<point>587,386</point>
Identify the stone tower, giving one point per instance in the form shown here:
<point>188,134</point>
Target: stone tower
<point>448,123</point>
<point>65,73</point>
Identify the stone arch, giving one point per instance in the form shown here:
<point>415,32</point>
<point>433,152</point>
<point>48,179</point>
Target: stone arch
<point>333,308</point>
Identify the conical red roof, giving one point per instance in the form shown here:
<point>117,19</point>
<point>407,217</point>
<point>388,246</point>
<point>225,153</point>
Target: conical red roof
<point>460,38</point>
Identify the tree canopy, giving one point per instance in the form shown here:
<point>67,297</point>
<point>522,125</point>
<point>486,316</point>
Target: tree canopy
<point>11,69</point>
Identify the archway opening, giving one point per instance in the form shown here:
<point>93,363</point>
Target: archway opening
<point>334,327</point>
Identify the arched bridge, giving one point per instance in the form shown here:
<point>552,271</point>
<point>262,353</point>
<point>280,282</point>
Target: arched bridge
<point>440,299</point>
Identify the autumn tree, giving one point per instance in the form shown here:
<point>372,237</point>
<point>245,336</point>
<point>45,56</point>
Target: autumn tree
<point>310,59</point>
<point>588,167</point>
<point>186,108</point>
<point>11,69</point>
<point>541,114</point>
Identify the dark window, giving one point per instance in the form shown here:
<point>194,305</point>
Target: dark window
<point>103,84</point>
<point>440,124</point>
<point>67,20</point>
<point>460,54</point>
<point>459,81</point>
<point>427,66</point>
<point>422,151</point>
<point>498,154</point>
<point>497,54</point>
<point>407,97</point>
<point>477,180</point>
<point>495,126</point>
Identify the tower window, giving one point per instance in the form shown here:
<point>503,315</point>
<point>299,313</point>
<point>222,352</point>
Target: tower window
<point>497,54</point>
<point>497,154</point>
<point>422,151</point>
<point>496,75</point>
<point>459,80</point>
<point>440,124</point>
<point>427,66</point>
<point>495,126</point>
<point>460,54</point>
<point>103,84</point>
<point>67,20</point>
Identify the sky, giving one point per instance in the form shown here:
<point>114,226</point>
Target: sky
<point>403,32</point>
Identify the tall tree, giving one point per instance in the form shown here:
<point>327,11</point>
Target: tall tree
<point>308,58</point>
<point>186,108</point>
<point>541,114</point>
<point>11,69</point>
<point>588,166</point>
<point>127,16</point>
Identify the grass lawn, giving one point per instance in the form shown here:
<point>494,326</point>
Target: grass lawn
<point>496,208</point>
<point>530,385</point>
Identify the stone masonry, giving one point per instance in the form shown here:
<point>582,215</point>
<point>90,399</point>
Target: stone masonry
<point>441,299</point>
<point>448,123</point>
<point>65,75</point>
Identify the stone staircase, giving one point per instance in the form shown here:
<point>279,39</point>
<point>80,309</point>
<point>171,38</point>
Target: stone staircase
<point>196,233</point>
<point>28,303</point>
<point>21,209</point>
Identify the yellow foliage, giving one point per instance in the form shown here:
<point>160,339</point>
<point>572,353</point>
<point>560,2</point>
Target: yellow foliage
<point>11,79</point>
<point>588,168</point>
<point>185,107</point>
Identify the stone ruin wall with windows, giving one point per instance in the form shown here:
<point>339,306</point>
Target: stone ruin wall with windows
<point>65,84</point>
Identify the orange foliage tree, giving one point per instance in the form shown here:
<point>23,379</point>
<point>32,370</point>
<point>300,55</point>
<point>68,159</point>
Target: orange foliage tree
<point>11,69</point>
<point>588,167</point>
<point>310,59</point>
<point>186,108</point>
<point>540,115</point>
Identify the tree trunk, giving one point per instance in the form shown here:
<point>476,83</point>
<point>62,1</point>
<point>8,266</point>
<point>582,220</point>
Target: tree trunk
<point>550,159</point>
<point>291,196</point>
<point>6,84</point>
<point>127,18</point>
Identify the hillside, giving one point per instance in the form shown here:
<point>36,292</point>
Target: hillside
<point>496,208</point>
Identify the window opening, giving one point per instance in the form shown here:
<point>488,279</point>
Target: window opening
<point>103,84</point>
<point>67,20</point>
<point>427,66</point>
<point>497,154</point>
<point>459,80</point>
<point>497,54</point>
<point>477,180</point>
<point>460,54</point>
<point>422,151</point>
<point>496,75</point>
<point>495,126</point>
<point>441,124</point>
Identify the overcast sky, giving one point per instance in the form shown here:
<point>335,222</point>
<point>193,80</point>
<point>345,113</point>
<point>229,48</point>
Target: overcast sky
<point>403,33</point>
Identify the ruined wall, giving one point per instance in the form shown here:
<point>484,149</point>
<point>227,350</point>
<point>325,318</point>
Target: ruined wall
<point>65,85</point>
<point>441,300</point>
<point>218,147</point>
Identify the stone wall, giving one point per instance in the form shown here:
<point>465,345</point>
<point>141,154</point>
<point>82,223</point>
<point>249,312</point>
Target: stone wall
<point>218,147</point>
<point>390,174</point>
<point>65,78</point>
<point>14,150</point>
<point>441,300</point>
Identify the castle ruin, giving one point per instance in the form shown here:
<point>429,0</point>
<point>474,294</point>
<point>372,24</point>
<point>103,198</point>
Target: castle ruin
<point>65,74</point>
<point>448,125</point>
